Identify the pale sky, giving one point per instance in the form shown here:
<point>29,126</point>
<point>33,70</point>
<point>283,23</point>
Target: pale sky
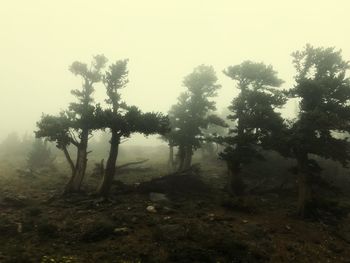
<point>164,40</point>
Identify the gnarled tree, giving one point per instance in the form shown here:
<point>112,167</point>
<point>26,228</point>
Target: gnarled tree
<point>74,126</point>
<point>123,120</point>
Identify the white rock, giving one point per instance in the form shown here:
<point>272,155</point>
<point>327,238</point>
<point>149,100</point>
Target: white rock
<point>151,209</point>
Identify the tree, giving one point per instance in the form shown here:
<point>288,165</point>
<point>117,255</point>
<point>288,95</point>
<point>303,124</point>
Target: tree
<point>209,146</point>
<point>169,137</point>
<point>40,156</point>
<point>192,113</point>
<point>253,112</point>
<point>123,120</point>
<point>324,92</point>
<point>75,125</point>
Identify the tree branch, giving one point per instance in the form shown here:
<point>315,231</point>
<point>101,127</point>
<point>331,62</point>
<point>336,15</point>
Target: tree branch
<point>69,159</point>
<point>131,163</point>
<point>73,139</point>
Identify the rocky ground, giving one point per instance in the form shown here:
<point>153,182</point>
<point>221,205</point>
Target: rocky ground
<point>172,219</point>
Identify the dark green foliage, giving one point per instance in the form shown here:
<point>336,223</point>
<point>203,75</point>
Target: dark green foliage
<point>55,129</point>
<point>193,113</point>
<point>257,124</point>
<point>253,110</point>
<point>130,119</point>
<point>324,93</point>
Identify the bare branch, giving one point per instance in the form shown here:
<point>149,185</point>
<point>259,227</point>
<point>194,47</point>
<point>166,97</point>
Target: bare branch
<point>131,163</point>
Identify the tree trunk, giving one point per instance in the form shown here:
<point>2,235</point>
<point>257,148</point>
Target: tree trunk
<point>80,167</point>
<point>105,186</point>
<point>304,185</point>
<point>188,157</point>
<point>171,158</point>
<point>181,156</point>
<point>69,159</point>
<point>235,182</point>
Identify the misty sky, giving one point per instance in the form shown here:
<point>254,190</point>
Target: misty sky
<point>164,40</point>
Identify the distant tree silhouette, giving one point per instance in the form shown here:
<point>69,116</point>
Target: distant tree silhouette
<point>254,117</point>
<point>192,113</point>
<point>40,156</point>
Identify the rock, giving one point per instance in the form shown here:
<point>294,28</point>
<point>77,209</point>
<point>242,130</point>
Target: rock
<point>151,209</point>
<point>19,227</point>
<point>119,231</point>
<point>158,197</point>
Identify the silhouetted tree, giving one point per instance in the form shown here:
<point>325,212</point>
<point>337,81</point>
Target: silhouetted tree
<point>75,125</point>
<point>123,120</point>
<point>191,115</point>
<point>253,112</point>
<point>170,139</point>
<point>324,92</point>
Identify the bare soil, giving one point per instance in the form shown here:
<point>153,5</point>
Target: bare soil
<point>192,222</point>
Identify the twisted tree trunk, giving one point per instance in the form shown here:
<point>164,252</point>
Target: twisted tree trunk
<point>106,184</point>
<point>78,174</point>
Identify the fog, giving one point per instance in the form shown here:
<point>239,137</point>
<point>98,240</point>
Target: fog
<point>163,40</point>
<point>238,149</point>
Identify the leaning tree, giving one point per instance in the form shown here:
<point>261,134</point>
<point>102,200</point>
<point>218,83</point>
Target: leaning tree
<point>74,126</point>
<point>254,117</point>
<point>123,120</point>
<point>323,89</point>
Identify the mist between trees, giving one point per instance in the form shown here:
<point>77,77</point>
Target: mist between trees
<point>249,137</point>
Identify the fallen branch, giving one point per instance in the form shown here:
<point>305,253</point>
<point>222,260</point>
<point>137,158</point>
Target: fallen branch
<point>131,163</point>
